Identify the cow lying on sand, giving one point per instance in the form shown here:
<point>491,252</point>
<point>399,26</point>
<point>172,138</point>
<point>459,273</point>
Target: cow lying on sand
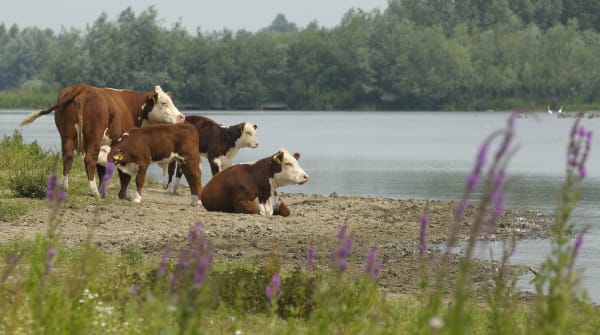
<point>251,188</point>
<point>137,149</point>
<point>217,143</point>
<point>85,114</point>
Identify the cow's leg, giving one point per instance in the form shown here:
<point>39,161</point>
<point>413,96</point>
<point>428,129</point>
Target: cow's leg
<point>246,206</point>
<point>139,183</point>
<point>90,170</point>
<point>68,150</point>
<point>124,180</point>
<point>214,167</point>
<point>174,187</point>
<point>170,172</point>
<point>193,175</point>
<point>101,171</point>
<point>282,210</point>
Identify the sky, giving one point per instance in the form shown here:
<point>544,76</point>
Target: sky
<point>206,15</point>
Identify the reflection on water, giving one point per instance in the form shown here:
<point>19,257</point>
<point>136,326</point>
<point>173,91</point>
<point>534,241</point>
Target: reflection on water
<point>423,155</point>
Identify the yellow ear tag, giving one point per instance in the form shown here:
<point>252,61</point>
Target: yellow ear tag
<point>277,161</point>
<point>118,157</point>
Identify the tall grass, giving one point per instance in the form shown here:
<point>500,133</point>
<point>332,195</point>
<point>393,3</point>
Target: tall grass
<point>47,288</point>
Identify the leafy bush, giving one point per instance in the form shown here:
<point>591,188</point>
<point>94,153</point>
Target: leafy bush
<point>25,167</point>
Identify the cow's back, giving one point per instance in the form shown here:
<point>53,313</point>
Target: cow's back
<point>237,182</point>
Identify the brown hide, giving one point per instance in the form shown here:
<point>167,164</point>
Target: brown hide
<point>83,113</point>
<point>235,189</point>
<point>143,146</point>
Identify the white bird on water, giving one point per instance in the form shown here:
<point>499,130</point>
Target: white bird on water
<point>549,110</point>
<point>560,110</point>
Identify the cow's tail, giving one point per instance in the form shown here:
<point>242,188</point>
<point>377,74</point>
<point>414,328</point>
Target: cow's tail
<point>79,127</point>
<point>62,102</point>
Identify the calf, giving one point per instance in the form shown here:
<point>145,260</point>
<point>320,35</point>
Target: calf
<point>217,143</point>
<point>251,188</point>
<point>133,152</point>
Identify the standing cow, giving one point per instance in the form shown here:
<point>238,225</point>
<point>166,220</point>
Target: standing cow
<point>135,150</point>
<point>252,188</point>
<point>217,143</point>
<point>85,115</point>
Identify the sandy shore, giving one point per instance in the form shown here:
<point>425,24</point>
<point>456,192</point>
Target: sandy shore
<point>162,221</point>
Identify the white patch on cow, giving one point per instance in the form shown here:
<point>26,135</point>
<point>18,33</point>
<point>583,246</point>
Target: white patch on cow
<point>64,182</point>
<point>164,110</point>
<point>195,201</point>
<point>92,188</point>
<point>291,172</point>
<point>105,138</point>
<point>129,168</point>
<point>174,186</point>
<point>164,163</point>
<point>136,197</point>
<point>103,155</point>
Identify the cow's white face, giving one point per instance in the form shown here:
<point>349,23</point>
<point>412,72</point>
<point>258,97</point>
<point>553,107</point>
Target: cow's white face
<point>164,110</point>
<point>291,173</point>
<point>248,138</point>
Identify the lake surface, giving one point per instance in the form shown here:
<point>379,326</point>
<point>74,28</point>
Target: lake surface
<point>423,155</point>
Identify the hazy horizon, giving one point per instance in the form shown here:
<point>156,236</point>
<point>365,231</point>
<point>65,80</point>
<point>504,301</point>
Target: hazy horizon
<point>204,15</point>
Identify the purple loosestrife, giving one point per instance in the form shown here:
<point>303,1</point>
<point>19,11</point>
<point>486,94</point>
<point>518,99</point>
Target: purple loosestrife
<point>54,191</point>
<point>340,255</point>
<point>164,262</point>
<point>49,257</point>
<point>108,173</point>
<point>273,290</point>
<point>578,243</point>
<point>423,232</point>
<point>135,289</point>
<point>311,255</point>
<point>193,261</point>
<point>372,265</point>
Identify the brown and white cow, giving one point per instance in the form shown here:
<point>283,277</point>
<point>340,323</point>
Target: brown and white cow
<point>135,150</point>
<point>252,188</point>
<point>84,115</point>
<point>219,144</point>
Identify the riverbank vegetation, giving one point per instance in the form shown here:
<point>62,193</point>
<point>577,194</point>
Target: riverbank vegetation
<point>46,287</point>
<point>413,55</point>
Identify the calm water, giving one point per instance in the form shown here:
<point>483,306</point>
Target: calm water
<point>423,155</point>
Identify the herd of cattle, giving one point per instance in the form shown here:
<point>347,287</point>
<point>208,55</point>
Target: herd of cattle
<point>134,129</point>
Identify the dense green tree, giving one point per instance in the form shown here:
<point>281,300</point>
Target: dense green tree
<point>281,25</point>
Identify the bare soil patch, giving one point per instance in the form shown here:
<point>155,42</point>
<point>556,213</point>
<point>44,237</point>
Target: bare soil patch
<point>162,221</point>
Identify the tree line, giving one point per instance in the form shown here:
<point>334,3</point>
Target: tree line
<point>414,54</point>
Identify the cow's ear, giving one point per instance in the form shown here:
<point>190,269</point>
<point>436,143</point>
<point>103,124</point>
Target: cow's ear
<point>296,155</point>
<point>278,158</point>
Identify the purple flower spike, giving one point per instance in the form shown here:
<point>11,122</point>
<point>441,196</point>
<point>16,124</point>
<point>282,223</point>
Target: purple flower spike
<point>134,289</point>
<point>341,254</point>
<point>342,233</point>
<point>108,173</point>
<point>273,290</point>
<point>52,185</point>
<point>54,192</point>
<point>422,233</point>
<point>49,256</point>
<point>201,268</point>
<point>372,265</point>
<point>578,243</point>
<point>311,255</point>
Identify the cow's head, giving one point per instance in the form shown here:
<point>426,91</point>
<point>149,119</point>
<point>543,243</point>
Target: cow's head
<point>117,154</point>
<point>247,136</point>
<point>286,169</point>
<point>159,108</point>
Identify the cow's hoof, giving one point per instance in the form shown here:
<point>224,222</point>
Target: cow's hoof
<point>196,201</point>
